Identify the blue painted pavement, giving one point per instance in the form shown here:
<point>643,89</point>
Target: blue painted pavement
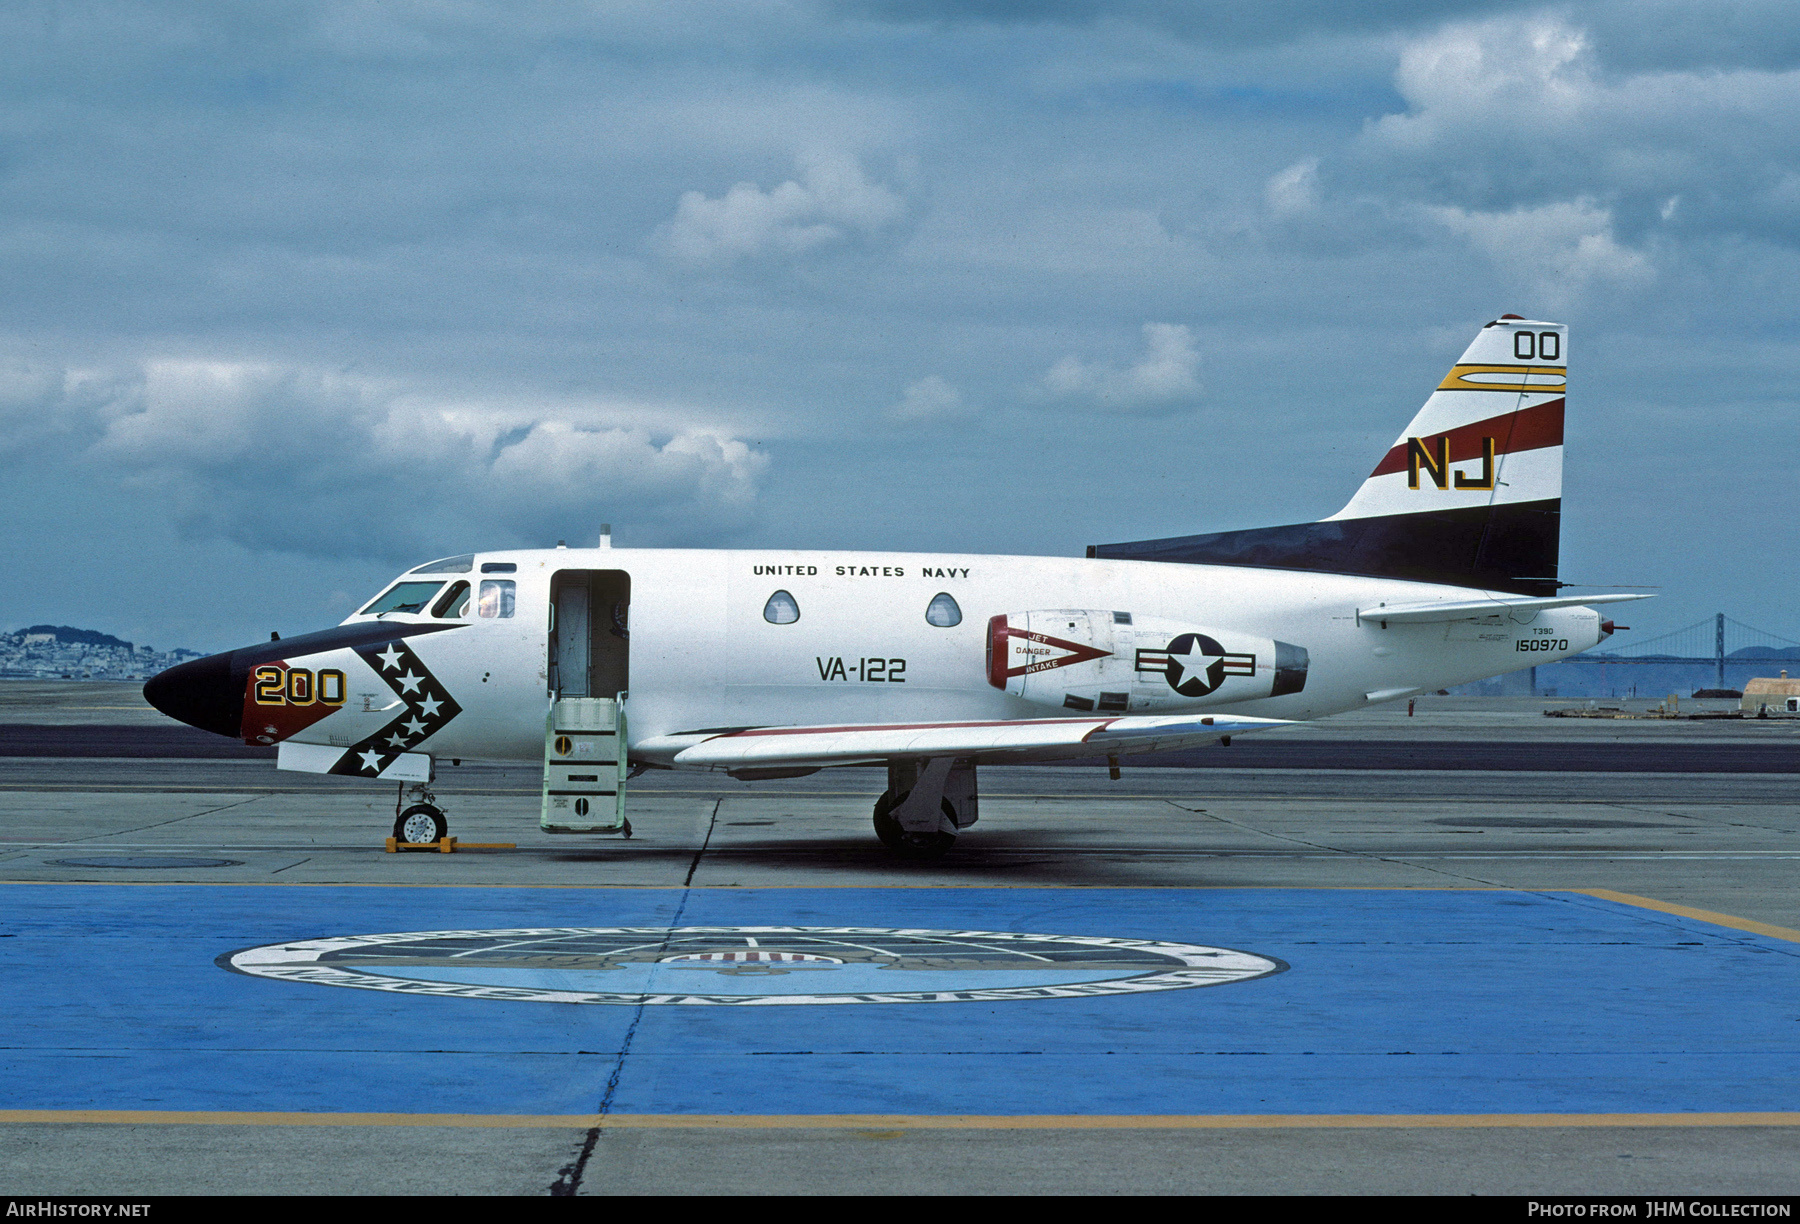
<point>1395,1002</point>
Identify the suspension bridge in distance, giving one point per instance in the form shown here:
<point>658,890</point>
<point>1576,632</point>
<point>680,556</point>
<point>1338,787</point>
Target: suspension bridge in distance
<point>1716,642</point>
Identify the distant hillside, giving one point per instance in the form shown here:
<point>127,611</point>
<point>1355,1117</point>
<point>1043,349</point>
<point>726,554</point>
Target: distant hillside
<point>65,633</point>
<point>1746,654</point>
<point>1766,652</point>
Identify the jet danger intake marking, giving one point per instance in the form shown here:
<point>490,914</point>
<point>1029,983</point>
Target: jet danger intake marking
<point>427,708</point>
<point>1042,650</point>
<point>748,965</point>
<point>1194,664</point>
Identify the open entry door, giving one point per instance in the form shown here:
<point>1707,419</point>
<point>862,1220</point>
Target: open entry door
<point>590,638</point>
<point>585,757</point>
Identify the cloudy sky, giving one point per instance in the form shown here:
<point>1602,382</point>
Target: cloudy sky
<point>299,293</point>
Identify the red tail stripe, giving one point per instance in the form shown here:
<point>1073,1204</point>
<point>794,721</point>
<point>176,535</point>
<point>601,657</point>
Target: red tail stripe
<point>1528,429</point>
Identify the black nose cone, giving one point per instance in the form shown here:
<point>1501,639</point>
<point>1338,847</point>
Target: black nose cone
<point>201,693</point>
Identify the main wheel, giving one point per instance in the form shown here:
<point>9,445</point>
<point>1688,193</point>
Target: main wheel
<point>419,824</point>
<point>910,845</point>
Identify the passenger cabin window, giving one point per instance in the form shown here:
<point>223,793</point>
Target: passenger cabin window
<point>781,609</point>
<point>405,597</point>
<point>499,567</point>
<point>943,611</point>
<point>453,603</point>
<point>449,565</point>
<point>497,598</point>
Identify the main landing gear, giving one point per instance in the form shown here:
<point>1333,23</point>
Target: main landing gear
<point>423,822</point>
<point>925,805</point>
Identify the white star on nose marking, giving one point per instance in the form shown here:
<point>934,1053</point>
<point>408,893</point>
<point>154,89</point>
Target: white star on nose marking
<point>430,706</point>
<point>397,741</point>
<point>414,727</point>
<point>371,761</point>
<point>391,656</point>
<point>409,682</point>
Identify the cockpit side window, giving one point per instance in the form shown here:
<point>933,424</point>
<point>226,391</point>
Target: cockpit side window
<point>498,596</point>
<point>453,603</point>
<point>403,597</point>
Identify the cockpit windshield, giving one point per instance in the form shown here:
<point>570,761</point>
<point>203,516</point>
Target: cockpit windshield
<point>404,597</point>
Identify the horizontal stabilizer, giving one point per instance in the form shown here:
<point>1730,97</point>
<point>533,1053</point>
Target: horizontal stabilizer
<point>1477,609</point>
<point>1045,739</point>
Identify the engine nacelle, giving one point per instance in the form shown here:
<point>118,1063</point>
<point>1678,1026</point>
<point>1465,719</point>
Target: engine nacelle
<point>1115,662</point>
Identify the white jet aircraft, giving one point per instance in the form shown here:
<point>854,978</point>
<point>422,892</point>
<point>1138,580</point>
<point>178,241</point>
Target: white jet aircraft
<point>765,664</point>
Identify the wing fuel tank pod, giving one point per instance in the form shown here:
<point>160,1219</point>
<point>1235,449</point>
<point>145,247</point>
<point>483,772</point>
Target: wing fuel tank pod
<point>1116,662</point>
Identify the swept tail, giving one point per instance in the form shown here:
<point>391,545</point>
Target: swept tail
<point>1469,495</point>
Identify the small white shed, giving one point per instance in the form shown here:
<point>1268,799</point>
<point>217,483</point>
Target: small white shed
<point>1776,695</point>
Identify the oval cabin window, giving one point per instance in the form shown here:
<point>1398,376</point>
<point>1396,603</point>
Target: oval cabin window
<point>781,609</point>
<point>943,611</point>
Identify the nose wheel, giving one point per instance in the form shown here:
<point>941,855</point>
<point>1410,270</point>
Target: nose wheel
<point>908,845</point>
<point>421,824</point>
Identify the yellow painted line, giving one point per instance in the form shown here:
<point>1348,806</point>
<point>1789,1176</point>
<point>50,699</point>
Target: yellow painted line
<point>159,1117</point>
<point>1687,911</point>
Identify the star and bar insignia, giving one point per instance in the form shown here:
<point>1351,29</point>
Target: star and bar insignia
<point>1194,664</point>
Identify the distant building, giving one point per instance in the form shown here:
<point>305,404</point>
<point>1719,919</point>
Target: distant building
<point>1777,696</point>
<point>50,652</point>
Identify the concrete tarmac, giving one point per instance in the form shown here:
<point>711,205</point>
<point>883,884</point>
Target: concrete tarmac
<point>1486,972</point>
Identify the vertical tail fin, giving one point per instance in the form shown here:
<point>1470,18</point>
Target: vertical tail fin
<point>1490,435</point>
<point>1469,495</point>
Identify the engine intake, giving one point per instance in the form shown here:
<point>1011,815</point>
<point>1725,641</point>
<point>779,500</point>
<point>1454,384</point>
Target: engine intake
<point>1117,662</point>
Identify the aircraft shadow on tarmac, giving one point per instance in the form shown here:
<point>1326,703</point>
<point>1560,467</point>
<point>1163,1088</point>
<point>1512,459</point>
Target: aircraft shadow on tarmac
<point>1030,857</point>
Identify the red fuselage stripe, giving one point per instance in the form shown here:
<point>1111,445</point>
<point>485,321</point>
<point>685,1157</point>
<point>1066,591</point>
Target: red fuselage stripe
<point>1010,722</point>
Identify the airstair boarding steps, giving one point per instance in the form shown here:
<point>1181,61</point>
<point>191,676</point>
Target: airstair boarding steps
<point>584,766</point>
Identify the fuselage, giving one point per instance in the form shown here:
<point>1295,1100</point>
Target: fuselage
<point>708,644</point>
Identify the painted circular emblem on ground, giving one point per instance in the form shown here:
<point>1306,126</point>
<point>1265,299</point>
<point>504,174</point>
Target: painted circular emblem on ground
<point>755,965</point>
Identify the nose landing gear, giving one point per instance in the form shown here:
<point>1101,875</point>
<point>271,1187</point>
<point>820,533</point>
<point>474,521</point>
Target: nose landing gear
<point>423,822</point>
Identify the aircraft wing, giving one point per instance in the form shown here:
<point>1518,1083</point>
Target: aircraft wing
<point>1014,742</point>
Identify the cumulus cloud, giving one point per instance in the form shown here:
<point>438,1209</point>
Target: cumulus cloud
<point>1165,375</point>
<point>1512,74</point>
<point>467,196</point>
<point>1570,178</point>
<point>832,201</point>
<point>313,462</point>
<point>43,405</point>
<point>1555,251</point>
<point>1518,113</point>
<point>1295,190</point>
<point>931,398</point>
<point>1273,22</point>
